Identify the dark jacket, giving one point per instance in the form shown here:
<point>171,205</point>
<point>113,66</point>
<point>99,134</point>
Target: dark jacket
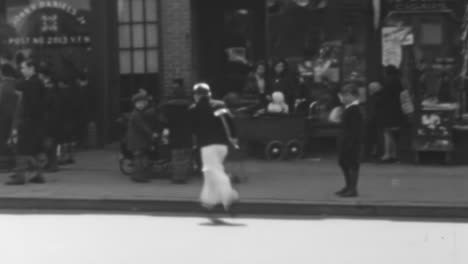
<point>390,111</point>
<point>286,84</point>
<point>176,112</point>
<point>252,90</point>
<point>52,110</point>
<point>67,114</point>
<point>208,128</point>
<point>141,126</point>
<point>32,124</point>
<point>350,139</point>
<point>8,97</point>
<point>8,105</point>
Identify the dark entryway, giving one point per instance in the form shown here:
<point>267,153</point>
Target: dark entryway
<point>224,24</point>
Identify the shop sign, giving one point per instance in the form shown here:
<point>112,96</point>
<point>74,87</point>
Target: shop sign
<point>50,40</point>
<point>50,23</point>
<point>419,4</point>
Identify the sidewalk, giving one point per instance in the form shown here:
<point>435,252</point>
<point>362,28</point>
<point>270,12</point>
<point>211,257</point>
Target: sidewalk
<point>299,187</point>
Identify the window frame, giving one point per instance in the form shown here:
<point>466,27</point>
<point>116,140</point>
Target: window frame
<point>145,48</point>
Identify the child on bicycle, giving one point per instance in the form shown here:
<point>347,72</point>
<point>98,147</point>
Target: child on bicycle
<point>143,128</point>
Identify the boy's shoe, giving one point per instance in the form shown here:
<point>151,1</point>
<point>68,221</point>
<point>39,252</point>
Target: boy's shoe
<point>38,179</point>
<point>16,179</point>
<point>340,192</point>
<point>349,194</point>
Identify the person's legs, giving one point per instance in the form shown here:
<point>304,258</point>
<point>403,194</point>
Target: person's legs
<point>71,152</point>
<point>227,192</point>
<point>352,168</point>
<point>342,162</point>
<point>395,138</point>
<point>354,174</point>
<point>208,196</point>
<point>388,144</point>
<point>36,170</point>
<point>141,164</point>
<point>51,153</point>
<point>217,186</point>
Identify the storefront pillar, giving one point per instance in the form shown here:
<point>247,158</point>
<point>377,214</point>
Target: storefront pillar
<point>176,44</point>
<point>103,66</point>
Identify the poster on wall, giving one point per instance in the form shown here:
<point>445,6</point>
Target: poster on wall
<point>56,34</point>
<point>49,23</point>
<point>393,38</point>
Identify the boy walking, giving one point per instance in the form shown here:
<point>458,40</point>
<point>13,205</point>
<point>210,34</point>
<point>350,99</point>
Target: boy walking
<point>350,141</point>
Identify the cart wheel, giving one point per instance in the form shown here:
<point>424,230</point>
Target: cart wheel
<point>274,150</point>
<point>127,167</point>
<point>295,149</point>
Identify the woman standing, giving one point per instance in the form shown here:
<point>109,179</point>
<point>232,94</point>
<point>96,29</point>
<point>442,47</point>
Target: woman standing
<point>8,105</point>
<point>391,115</point>
<point>256,86</point>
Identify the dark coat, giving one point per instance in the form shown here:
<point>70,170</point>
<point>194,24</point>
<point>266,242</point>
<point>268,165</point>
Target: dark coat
<point>352,125</point>
<point>252,91</point>
<point>141,126</point>
<point>207,128</point>
<point>8,106</point>
<point>390,113</point>
<point>32,127</point>
<point>286,84</point>
<point>176,111</point>
<point>52,111</point>
<point>69,105</point>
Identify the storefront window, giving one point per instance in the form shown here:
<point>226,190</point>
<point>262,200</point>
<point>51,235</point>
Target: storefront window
<point>324,43</point>
<point>138,46</point>
<point>138,34</point>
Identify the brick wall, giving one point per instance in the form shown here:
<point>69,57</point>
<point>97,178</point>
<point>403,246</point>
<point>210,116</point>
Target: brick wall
<point>176,42</point>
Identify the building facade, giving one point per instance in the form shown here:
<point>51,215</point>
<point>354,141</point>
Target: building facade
<point>124,45</point>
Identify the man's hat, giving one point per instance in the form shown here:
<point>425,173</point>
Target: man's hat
<point>201,86</point>
<point>140,97</point>
<point>202,89</point>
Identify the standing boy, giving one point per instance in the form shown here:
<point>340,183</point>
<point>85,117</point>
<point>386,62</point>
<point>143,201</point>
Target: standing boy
<point>140,134</point>
<point>350,141</point>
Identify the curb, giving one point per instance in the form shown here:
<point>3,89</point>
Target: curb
<point>244,208</point>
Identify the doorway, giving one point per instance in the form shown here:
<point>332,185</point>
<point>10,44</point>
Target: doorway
<point>229,39</point>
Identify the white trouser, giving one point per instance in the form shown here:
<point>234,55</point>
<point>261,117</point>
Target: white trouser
<point>217,188</point>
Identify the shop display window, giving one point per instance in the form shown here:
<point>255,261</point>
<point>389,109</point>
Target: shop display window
<point>324,45</point>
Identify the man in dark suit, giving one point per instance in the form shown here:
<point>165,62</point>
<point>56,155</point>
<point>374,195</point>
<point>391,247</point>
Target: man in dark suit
<point>350,141</point>
<point>30,132</point>
<point>8,105</point>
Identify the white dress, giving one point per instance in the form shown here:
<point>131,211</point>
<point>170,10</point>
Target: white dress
<point>217,188</point>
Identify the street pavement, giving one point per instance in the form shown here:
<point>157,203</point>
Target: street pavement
<point>29,238</point>
<point>293,184</point>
